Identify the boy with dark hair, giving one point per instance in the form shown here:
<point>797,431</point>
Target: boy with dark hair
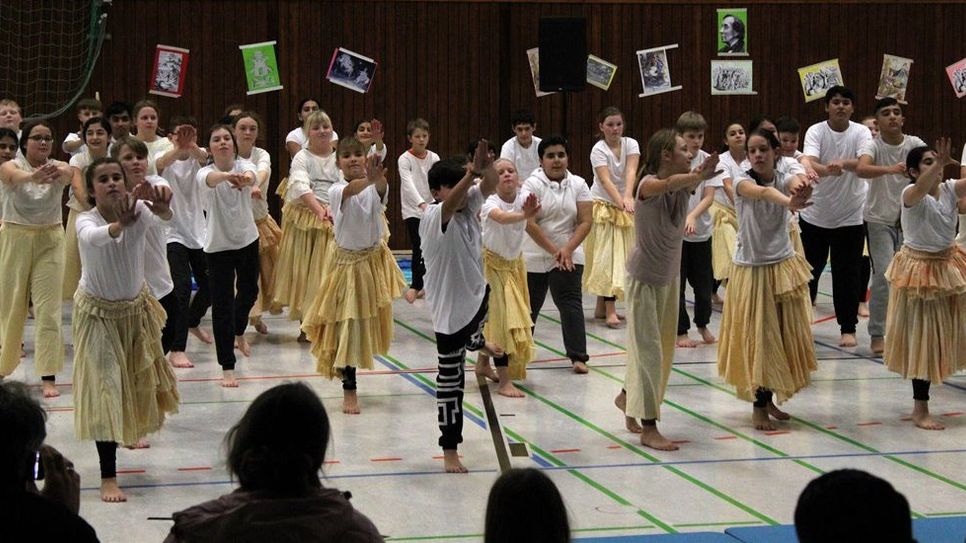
<point>86,109</point>
<point>834,224</point>
<point>788,132</point>
<point>119,115</point>
<point>455,286</point>
<point>522,147</point>
<point>883,162</point>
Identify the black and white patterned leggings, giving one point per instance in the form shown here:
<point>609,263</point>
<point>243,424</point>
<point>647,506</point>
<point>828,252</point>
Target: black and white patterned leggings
<point>450,381</point>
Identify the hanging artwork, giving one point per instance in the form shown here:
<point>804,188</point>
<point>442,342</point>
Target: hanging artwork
<point>655,71</point>
<point>733,32</point>
<point>351,70</point>
<point>732,77</point>
<point>533,58</point>
<point>894,78</point>
<point>170,69</point>
<point>957,77</point>
<point>600,73</point>
<point>261,68</point>
<point>817,79</point>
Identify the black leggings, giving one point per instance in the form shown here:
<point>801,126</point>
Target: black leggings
<point>233,281</point>
<point>763,397</point>
<point>418,266</point>
<point>920,390</point>
<point>107,455</point>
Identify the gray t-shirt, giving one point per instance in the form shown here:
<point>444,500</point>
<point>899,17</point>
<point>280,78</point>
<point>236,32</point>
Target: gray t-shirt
<point>659,222</point>
<point>884,200</point>
<point>762,226</point>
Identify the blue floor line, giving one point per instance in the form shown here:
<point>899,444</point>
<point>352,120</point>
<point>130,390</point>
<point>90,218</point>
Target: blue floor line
<point>427,389</point>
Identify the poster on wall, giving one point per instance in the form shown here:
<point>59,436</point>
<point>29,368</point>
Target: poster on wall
<point>261,68</point>
<point>894,78</point>
<point>533,57</point>
<point>957,77</point>
<point>600,73</point>
<point>655,71</point>
<point>817,79</point>
<point>732,77</point>
<point>733,32</point>
<point>351,70</point>
<point>170,69</point>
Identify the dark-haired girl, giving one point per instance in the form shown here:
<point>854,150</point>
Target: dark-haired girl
<point>926,322</point>
<point>766,348</point>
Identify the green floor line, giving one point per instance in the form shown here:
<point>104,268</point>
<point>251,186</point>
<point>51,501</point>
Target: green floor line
<point>952,514</point>
<point>714,524</point>
<point>548,456</point>
<point>573,530</point>
<point>810,424</point>
<point>721,495</point>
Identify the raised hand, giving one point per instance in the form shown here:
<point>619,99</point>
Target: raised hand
<point>125,209</point>
<point>943,152</point>
<point>707,168</point>
<point>481,157</point>
<point>800,199</point>
<point>375,172</point>
<point>531,206</point>
<point>159,200</point>
<point>377,133</point>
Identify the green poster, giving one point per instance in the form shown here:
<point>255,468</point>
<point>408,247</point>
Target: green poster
<point>261,69</point>
<point>733,32</point>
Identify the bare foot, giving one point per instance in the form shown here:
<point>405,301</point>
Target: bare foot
<point>201,334</point>
<point>302,337</point>
<point>259,325</point>
<point>717,300</point>
<point>350,402</point>
<point>242,345</point>
<point>848,340</point>
<point>50,389</point>
<point>707,336</point>
<point>228,379</point>
<point>863,309</point>
<point>759,417</point>
<point>451,462</point>
<point>410,295</point>
<point>629,422</point>
<point>686,342</point>
<point>141,444</point>
<point>600,310</point>
<point>506,387</point>
<point>421,294</point>
<point>613,321</point>
<point>877,345</point>
<point>580,368</point>
<point>776,413</point>
<point>492,350</point>
<point>483,368</point>
<point>110,492</point>
<point>650,437</point>
<point>922,418</point>
<point>179,360</point>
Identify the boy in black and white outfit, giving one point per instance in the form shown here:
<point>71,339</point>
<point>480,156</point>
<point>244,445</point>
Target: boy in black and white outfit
<point>455,287</point>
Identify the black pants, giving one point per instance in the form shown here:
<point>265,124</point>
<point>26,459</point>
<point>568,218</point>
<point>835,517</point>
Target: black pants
<point>696,269</point>
<point>184,263</point>
<point>865,273</point>
<point>233,280</point>
<point>418,266</point>
<point>566,291</point>
<point>845,245</point>
<point>450,380</point>
<point>920,390</point>
<point>107,457</point>
<point>170,305</point>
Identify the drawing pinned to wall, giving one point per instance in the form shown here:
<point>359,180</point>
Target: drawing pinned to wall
<point>600,73</point>
<point>732,77</point>
<point>957,77</point>
<point>351,70</point>
<point>655,71</point>
<point>733,32</point>
<point>894,78</point>
<point>261,68</point>
<point>170,69</point>
<point>817,79</point>
<point>533,57</point>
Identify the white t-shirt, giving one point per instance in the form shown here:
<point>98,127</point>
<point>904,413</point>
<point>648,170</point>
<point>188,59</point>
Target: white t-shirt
<point>311,173</point>
<point>526,160</point>
<point>702,227</point>
<point>414,182</point>
<point>297,135</point>
<point>557,217</point>
<point>883,204</point>
<point>229,222</point>
<point>156,149</point>
<point>454,269</point>
<point>930,225</point>
<point>81,161</point>
<point>113,268</point>
<point>505,240</point>
<point>837,201</point>
<point>375,152</point>
<point>33,203</point>
<point>263,163</point>
<point>601,155</point>
<point>357,223</point>
<point>72,136</point>
<point>730,169</point>
<point>187,226</point>
<point>762,226</point>
<point>156,270</point>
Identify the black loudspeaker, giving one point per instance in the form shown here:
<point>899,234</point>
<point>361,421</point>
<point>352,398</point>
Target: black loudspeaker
<point>563,53</point>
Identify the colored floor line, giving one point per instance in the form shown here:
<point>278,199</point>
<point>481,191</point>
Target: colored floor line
<point>810,424</point>
<point>69,408</point>
<point>704,486</point>
<point>429,387</point>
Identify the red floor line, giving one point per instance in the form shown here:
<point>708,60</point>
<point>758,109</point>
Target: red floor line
<point>392,459</point>
<point>199,468</point>
<point>129,471</point>
<point>873,423</point>
<point>440,457</point>
<point>726,437</point>
<point>331,462</point>
<point>823,319</point>
<point>777,433</point>
<point>954,414</point>
<point>561,451</point>
<point>615,446</point>
<point>832,427</point>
